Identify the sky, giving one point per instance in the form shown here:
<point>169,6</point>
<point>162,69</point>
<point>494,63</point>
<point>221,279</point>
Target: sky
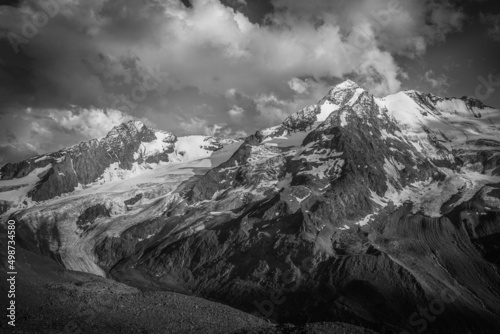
<point>70,70</point>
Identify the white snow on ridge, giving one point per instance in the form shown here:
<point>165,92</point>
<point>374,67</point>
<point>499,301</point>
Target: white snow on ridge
<point>355,97</point>
<point>325,110</point>
<point>270,131</point>
<point>347,84</point>
<point>44,157</point>
<point>190,148</point>
<point>343,120</point>
<point>294,139</point>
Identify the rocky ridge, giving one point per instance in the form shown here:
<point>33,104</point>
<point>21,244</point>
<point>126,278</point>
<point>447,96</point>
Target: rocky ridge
<point>128,147</point>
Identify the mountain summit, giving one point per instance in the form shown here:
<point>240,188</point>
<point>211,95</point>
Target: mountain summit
<point>355,209</point>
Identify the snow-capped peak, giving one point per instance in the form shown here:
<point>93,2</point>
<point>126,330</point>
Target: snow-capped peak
<point>347,84</point>
<point>137,124</point>
<point>345,93</point>
<point>341,93</point>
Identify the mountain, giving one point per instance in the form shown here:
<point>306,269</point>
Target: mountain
<point>128,149</point>
<point>378,212</point>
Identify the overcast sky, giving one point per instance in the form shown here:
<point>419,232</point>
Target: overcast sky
<point>70,70</point>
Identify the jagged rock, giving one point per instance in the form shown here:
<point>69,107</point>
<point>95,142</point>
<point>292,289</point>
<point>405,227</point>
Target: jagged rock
<point>59,179</point>
<point>133,200</point>
<point>211,144</point>
<point>90,214</point>
<point>5,206</point>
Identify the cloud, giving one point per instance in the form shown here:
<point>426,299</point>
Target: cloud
<point>14,153</point>
<point>493,25</point>
<point>209,46</point>
<point>201,126</point>
<point>438,82</point>
<point>298,85</point>
<point>236,113</point>
<point>108,44</point>
<point>399,26</point>
<point>185,67</point>
<point>90,123</point>
<point>195,125</point>
<point>444,18</point>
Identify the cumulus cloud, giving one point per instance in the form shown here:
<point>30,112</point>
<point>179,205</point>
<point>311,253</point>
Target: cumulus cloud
<point>211,46</point>
<point>438,82</point>
<point>400,26</point>
<point>298,85</point>
<point>91,123</point>
<point>236,113</point>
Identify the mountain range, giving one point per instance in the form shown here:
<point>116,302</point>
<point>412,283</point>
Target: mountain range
<point>383,213</point>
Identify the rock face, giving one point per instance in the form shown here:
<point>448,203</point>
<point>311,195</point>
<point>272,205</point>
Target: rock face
<point>4,206</point>
<point>88,217</point>
<point>383,213</point>
<point>127,144</point>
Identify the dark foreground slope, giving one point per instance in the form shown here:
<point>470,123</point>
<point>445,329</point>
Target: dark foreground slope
<point>50,299</point>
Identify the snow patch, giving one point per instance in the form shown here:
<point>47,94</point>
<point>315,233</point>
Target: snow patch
<point>365,220</point>
<point>325,110</point>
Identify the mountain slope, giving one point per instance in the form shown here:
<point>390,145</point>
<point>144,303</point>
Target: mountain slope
<point>127,150</point>
<point>356,209</point>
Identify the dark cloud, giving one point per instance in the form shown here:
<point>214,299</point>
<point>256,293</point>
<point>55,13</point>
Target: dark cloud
<point>10,153</point>
<point>11,3</point>
<point>10,136</point>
